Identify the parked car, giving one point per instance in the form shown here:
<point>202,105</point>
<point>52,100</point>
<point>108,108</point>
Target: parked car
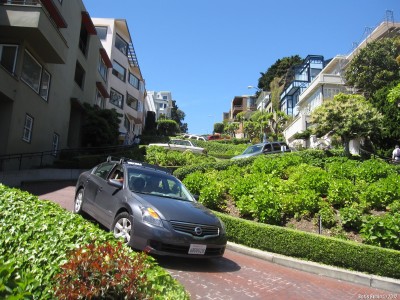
<point>181,145</point>
<point>264,148</point>
<point>194,137</point>
<point>150,209</point>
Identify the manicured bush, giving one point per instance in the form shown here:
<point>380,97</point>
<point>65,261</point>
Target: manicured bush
<point>351,217</point>
<point>313,247</point>
<point>36,235</point>
<point>341,192</point>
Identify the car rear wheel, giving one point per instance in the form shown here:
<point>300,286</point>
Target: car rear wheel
<point>78,202</point>
<point>123,227</point>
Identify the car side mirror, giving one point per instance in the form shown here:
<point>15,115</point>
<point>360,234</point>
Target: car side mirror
<point>115,183</point>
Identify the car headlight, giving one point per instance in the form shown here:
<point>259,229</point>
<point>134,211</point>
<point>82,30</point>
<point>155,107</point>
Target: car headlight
<point>150,216</point>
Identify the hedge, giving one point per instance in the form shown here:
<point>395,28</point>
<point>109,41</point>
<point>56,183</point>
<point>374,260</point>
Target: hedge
<point>35,237</point>
<point>313,247</point>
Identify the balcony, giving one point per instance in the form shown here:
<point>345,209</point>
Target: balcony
<point>31,22</point>
<point>237,109</point>
<point>321,79</point>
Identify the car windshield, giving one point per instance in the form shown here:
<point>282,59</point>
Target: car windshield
<point>180,142</point>
<point>153,183</point>
<point>253,149</point>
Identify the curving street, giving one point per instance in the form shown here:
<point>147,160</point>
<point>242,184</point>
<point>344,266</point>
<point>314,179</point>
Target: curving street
<point>235,276</point>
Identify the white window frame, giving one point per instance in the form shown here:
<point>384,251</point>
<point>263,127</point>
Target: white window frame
<point>28,128</point>
<point>2,46</point>
<point>45,86</point>
<point>35,83</point>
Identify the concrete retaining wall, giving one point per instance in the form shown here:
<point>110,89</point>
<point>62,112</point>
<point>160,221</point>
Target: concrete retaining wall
<point>15,178</point>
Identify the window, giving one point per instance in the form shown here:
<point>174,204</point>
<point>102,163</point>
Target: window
<point>119,71</point>
<point>141,86</point>
<point>127,123</point>
<point>165,97</point>
<point>102,68</point>
<point>8,57</point>
<point>44,85</point>
<point>121,45</point>
<point>116,98</point>
<point>31,72</point>
<point>99,99</point>
<point>101,32</point>
<point>103,170</point>
<point>35,76</point>
<point>83,39</point>
<point>28,127</point>
<point>56,139</point>
<point>133,81</point>
<point>79,75</point>
<point>132,101</point>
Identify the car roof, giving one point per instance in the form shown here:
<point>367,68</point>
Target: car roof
<point>137,164</point>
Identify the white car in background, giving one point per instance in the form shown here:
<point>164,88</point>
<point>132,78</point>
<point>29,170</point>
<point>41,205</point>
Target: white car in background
<point>180,145</point>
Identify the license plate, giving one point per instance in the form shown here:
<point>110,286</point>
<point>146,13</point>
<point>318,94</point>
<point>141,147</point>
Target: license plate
<point>197,249</point>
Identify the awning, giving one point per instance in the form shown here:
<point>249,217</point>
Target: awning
<point>105,58</point>
<point>55,13</point>
<point>102,89</point>
<point>87,22</point>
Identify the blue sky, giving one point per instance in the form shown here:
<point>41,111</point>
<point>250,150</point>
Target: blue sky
<point>206,52</point>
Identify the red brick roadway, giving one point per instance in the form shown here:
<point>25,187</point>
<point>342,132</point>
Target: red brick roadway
<point>235,276</point>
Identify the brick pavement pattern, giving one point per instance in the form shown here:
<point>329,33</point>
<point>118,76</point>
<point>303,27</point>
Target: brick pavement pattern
<point>235,276</point>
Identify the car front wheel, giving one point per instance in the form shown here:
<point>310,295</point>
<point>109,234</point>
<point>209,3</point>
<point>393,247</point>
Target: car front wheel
<point>123,227</point>
<point>78,202</point>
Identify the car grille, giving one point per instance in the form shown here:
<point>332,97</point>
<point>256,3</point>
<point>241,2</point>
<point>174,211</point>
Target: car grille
<point>183,250</point>
<point>193,229</point>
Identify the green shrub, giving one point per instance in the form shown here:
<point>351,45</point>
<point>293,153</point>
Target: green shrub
<point>383,192</point>
<point>383,231</point>
<point>394,207</point>
<point>374,169</point>
<point>14,283</point>
<point>102,271</point>
<point>36,235</point>
<point>312,177</point>
<point>313,247</point>
<point>341,192</point>
<point>195,182</point>
<point>327,215</point>
<point>341,168</point>
<point>302,203</point>
<point>351,217</point>
<point>211,196</point>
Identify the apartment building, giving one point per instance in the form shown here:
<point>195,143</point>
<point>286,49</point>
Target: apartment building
<point>51,62</point>
<point>329,82</point>
<point>125,81</point>
<point>246,104</point>
<point>160,102</point>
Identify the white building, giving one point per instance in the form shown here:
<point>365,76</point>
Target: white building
<point>160,103</point>
<point>126,84</point>
<point>329,82</point>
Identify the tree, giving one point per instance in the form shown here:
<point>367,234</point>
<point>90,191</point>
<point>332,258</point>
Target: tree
<point>279,69</point>
<point>178,116</point>
<point>167,127</point>
<point>375,66</point>
<point>231,128</point>
<point>219,127</point>
<point>101,126</point>
<point>349,116</point>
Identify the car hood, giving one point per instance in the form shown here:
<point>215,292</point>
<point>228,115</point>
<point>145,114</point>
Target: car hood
<point>180,210</point>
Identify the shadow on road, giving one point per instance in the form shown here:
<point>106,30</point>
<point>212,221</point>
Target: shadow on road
<point>45,187</point>
<point>212,265</point>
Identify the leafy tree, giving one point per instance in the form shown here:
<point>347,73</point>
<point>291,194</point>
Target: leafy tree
<point>231,128</point>
<point>178,116</point>
<point>375,66</point>
<point>167,127</point>
<point>219,127</point>
<point>278,69</point>
<point>350,116</point>
<point>101,126</point>
<point>251,129</point>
